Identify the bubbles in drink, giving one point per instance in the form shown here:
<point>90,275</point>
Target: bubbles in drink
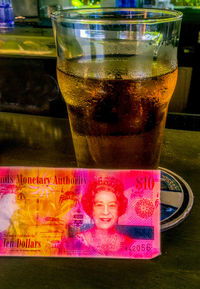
<point>119,122</point>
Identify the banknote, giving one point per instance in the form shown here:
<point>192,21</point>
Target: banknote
<point>69,212</point>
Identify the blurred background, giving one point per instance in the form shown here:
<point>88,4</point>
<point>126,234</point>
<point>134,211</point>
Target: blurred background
<point>28,81</point>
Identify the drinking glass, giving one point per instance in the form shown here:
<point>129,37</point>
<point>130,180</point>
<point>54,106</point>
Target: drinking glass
<point>117,70</point>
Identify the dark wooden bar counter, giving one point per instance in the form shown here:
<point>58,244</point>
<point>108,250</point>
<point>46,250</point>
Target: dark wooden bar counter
<point>27,140</point>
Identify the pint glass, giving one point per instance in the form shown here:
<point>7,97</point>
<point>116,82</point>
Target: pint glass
<point>117,70</point>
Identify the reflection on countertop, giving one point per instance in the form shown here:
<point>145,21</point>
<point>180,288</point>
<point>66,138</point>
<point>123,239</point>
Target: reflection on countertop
<point>46,141</point>
<point>35,141</point>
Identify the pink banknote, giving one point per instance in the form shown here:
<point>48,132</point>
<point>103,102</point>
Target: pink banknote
<point>79,212</point>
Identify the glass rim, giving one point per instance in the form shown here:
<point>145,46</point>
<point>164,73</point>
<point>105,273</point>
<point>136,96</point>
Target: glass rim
<point>75,16</point>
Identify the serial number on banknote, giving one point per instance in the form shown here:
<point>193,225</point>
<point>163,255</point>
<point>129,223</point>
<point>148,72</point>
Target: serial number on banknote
<point>141,248</point>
